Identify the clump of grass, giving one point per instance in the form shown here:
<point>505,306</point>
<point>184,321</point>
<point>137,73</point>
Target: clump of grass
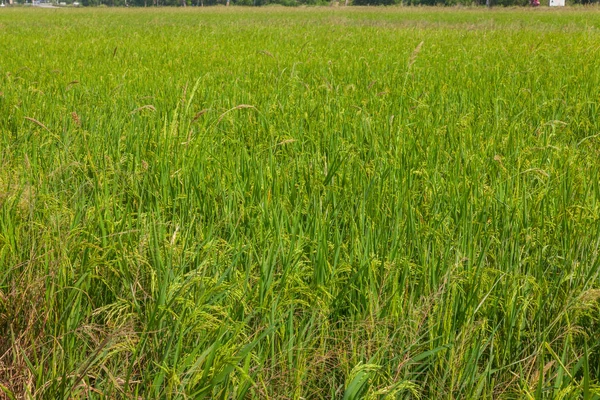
<point>299,203</point>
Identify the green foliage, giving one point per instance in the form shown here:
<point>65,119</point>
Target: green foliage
<point>374,2</point>
<point>317,203</point>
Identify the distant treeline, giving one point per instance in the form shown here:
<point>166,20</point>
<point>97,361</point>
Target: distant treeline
<point>179,3</point>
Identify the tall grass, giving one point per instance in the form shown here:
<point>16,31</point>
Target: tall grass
<point>310,204</point>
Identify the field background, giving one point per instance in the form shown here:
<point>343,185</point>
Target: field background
<point>299,203</point>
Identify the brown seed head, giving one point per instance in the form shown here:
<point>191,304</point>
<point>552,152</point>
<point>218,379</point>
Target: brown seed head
<point>76,118</point>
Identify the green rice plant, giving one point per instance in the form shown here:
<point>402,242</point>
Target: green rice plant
<point>308,203</point>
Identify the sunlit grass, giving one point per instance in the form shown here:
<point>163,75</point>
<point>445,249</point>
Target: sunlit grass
<point>314,203</point>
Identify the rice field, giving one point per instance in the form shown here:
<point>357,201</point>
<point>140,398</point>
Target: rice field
<point>309,203</point>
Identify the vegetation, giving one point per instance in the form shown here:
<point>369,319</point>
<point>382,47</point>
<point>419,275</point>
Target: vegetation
<point>292,3</point>
<point>283,203</point>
